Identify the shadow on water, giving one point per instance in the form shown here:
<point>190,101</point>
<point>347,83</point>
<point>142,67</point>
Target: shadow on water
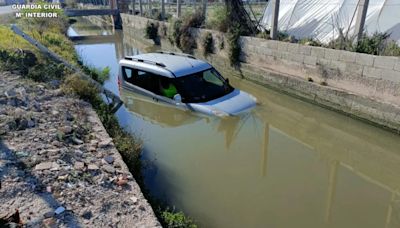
<point>12,166</point>
<point>285,164</point>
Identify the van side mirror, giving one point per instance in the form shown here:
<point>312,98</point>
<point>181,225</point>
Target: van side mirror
<point>227,81</point>
<point>178,98</point>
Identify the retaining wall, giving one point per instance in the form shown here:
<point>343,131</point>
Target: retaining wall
<point>363,86</point>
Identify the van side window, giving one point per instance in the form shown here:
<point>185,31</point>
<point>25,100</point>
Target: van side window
<point>142,79</point>
<point>127,74</point>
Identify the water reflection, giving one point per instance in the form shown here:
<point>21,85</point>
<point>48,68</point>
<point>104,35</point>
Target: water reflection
<point>286,164</point>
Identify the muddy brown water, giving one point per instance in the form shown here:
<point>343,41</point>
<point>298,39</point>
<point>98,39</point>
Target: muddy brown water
<point>287,163</point>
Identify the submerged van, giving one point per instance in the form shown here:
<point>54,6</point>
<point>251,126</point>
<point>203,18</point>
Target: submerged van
<point>182,81</point>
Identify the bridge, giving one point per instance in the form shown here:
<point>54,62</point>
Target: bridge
<point>116,7</point>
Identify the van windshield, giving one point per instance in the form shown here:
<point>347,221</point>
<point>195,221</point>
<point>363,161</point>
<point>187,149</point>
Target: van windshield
<point>202,86</point>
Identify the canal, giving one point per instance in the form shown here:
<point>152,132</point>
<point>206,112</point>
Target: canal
<point>287,163</point>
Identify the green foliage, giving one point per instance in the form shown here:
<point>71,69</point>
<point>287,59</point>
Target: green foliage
<point>84,89</point>
<point>176,219</point>
<point>174,31</point>
<point>391,49</point>
<point>234,46</point>
<point>218,19</point>
<point>179,31</point>
<point>207,43</point>
<point>374,44</point>
<point>310,42</point>
<point>99,75</point>
<point>151,30</point>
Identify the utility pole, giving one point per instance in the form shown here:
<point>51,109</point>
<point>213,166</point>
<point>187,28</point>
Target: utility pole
<point>162,10</point>
<point>141,7</point>
<point>275,18</point>
<point>178,8</point>
<point>204,8</point>
<point>362,9</point>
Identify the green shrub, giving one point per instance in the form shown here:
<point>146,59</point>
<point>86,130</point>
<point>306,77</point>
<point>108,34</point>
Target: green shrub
<point>174,31</point>
<point>218,19</point>
<point>207,43</point>
<point>176,219</point>
<point>310,42</point>
<point>234,46</point>
<point>391,49</point>
<point>179,31</point>
<point>374,44</point>
<point>151,30</point>
<point>76,85</point>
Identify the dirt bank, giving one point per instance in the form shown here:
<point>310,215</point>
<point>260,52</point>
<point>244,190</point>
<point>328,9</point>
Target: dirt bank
<point>58,165</point>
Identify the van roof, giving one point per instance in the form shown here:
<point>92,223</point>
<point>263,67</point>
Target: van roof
<point>166,63</point>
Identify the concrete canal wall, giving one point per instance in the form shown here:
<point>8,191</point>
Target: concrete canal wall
<point>363,86</point>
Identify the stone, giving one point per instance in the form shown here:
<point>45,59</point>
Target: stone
<point>109,159</point>
<point>48,214</point>
<point>10,93</point>
<point>77,141</point>
<point>55,112</point>
<point>79,165</point>
<point>87,215</point>
<point>59,210</point>
<point>109,169</point>
<point>44,166</point>
<point>69,116</point>
<point>134,199</point>
<point>105,143</point>
<point>66,129</point>
<point>31,124</point>
<point>93,167</point>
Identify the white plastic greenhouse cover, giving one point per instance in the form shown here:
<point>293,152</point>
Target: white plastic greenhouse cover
<point>321,19</point>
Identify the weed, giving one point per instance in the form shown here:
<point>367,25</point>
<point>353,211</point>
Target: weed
<point>234,46</point>
<point>207,43</point>
<point>310,42</point>
<point>176,219</point>
<point>151,30</point>
<point>218,19</point>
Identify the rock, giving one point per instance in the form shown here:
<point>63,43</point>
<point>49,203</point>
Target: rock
<point>48,214</point>
<point>78,153</point>
<point>59,210</point>
<point>47,165</point>
<point>22,93</point>
<point>10,93</point>
<point>105,143</point>
<point>93,167</point>
<point>87,215</point>
<point>49,223</point>
<point>69,116</point>
<point>109,159</point>
<point>21,154</point>
<point>109,169</point>
<point>62,177</point>
<point>31,124</point>
<point>44,166</point>
<point>55,112</point>
<point>77,141</point>
<point>54,166</point>
<point>79,165</point>
<point>92,149</point>
<point>122,180</point>
<point>134,199</point>
<point>66,129</point>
